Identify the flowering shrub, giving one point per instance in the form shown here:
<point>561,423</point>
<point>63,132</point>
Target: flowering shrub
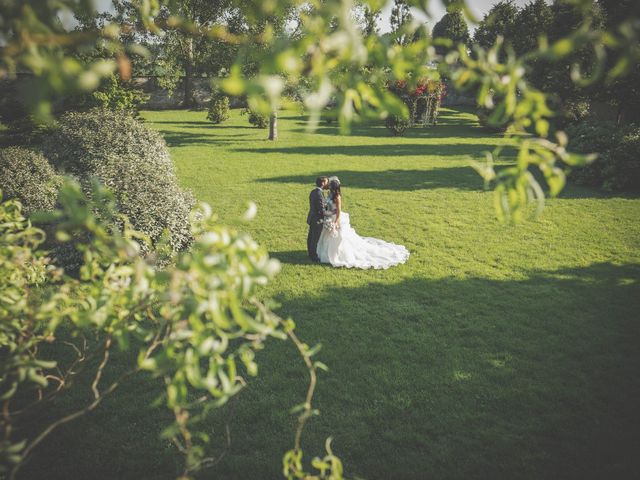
<point>423,102</point>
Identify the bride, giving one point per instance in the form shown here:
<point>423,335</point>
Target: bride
<point>341,246</point>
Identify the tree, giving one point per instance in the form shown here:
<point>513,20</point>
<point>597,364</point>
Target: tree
<point>617,11</point>
<point>452,26</point>
<point>273,126</point>
<point>400,20</point>
<point>182,48</point>
<point>366,16</point>
<point>622,93</point>
<point>498,21</point>
<point>557,21</point>
<point>532,21</point>
<point>371,18</point>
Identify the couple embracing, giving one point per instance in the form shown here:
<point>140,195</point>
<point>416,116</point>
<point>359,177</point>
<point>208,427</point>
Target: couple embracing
<point>332,240</point>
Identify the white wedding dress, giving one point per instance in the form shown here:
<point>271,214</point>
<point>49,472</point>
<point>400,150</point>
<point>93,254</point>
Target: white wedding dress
<point>343,247</point>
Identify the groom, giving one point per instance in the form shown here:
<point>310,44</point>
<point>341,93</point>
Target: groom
<point>316,216</point>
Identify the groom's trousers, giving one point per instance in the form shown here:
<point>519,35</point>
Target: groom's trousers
<point>315,229</point>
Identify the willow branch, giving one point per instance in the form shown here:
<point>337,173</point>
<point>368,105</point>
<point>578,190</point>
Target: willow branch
<point>103,364</point>
<point>47,431</point>
<point>98,397</point>
<point>302,419</point>
<point>313,377</point>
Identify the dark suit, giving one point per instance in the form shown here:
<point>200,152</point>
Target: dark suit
<point>314,220</point>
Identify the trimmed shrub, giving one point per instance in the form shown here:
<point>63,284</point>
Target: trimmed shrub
<point>485,120</point>
<point>623,170</point>
<point>118,96</point>
<point>256,119</point>
<point>592,137</point>
<point>218,109</point>
<point>132,161</point>
<point>396,124</point>
<point>618,165</point>
<point>573,111</point>
<point>21,125</point>
<point>27,176</point>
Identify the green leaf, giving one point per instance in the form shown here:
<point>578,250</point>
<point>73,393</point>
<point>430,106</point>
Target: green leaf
<point>35,377</point>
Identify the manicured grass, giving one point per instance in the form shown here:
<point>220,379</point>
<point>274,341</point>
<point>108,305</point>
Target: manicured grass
<point>495,352</point>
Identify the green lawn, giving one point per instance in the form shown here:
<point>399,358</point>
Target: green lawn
<point>494,352</point>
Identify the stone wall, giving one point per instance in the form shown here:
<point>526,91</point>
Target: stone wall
<point>160,99</point>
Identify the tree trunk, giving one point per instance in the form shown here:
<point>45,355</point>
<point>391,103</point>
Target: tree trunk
<point>188,100</point>
<point>620,114</point>
<point>273,126</point>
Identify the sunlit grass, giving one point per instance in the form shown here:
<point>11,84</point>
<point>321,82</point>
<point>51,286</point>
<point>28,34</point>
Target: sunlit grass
<point>494,352</point>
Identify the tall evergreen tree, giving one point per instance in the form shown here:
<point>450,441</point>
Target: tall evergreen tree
<point>623,93</point>
<point>532,21</point>
<point>500,20</point>
<point>452,26</point>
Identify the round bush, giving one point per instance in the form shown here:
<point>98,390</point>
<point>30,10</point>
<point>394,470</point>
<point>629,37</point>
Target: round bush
<point>27,176</point>
<point>256,119</point>
<point>119,96</point>
<point>622,172</point>
<point>131,160</point>
<point>396,124</point>
<point>618,165</point>
<point>484,119</point>
<point>218,109</point>
<point>592,137</point>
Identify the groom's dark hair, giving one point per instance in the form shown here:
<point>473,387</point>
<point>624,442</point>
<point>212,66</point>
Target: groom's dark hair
<point>320,181</point>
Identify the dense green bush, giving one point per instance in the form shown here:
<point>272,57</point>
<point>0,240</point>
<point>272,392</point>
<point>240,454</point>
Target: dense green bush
<point>485,120</point>
<point>617,166</point>
<point>256,119</point>
<point>13,113</point>
<point>396,124</point>
<point>131,160</point>
<point>591,137</point>
<point>573,111</point>
<point>218,109</point>
<point>118,96</point>
<point>21,124</point>
<point>623,170</point>
<point>27,176</point>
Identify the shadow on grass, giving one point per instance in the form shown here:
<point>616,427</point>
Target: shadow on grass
<point>463,178</point>
<point>293,257</point>
<point>535,378</point>
<point>450,124</point>
<point>205,126</point>
<point>384,150</point>
<point>532,378</point>
<point>183,139</point>
<point>571,191</point>
<point>179,123</point>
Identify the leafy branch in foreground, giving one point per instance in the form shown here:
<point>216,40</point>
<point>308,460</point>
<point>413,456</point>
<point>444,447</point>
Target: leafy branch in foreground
<point>196,325</point>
